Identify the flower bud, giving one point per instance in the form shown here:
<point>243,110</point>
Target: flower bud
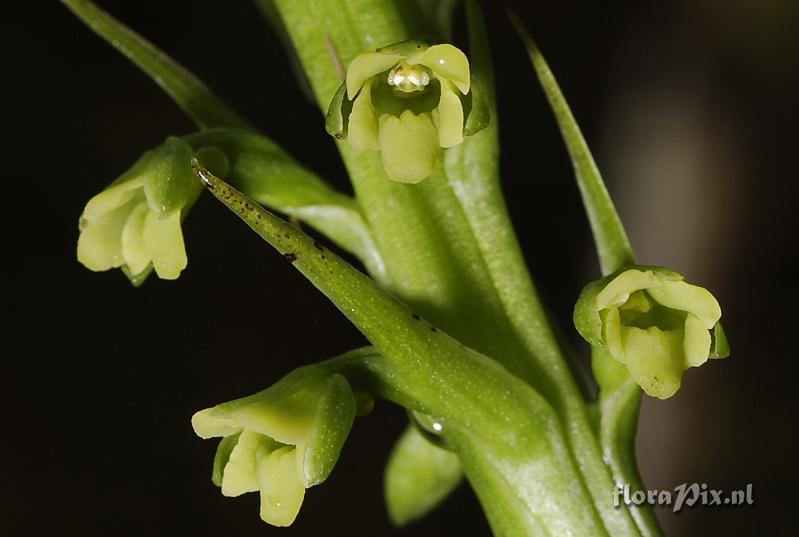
<point>407,100</point>
<point>652,321</point>
<point>280,441</point>
<point>135,223</point>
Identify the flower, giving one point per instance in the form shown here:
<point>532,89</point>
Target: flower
<point>654,322</point>
<point>135,223</point>
<point>407,100</point>
<point>280,441</point>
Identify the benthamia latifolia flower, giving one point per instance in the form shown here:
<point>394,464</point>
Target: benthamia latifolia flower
<point>655,323</point>
<point>135,223</point>
<point>407,100</point>
<point>282,440</point>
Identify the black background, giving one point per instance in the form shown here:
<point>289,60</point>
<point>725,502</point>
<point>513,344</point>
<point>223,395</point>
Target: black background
<point>691,110</point>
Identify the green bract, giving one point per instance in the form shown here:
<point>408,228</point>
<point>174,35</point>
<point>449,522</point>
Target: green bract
<point>280,441</point>
<point>651,320</point>
<point>407,100</point>
<point>135,222</point>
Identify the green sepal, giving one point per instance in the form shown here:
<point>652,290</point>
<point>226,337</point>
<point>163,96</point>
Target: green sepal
<point>720,348</point>
<point>476,110</point>
<point>169,183</point>
<point>418,477</point>
<point>337,118</point>
<point>586,317</point>
<point>222,456</point>
<point>333,419</point>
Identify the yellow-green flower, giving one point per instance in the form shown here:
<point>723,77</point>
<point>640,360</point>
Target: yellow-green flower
<point>654,322</point>
<point>407,100</point>
<point>135,223</point>
<point>280,441</point>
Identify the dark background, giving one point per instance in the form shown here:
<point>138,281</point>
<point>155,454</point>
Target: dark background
<point>691,110</point>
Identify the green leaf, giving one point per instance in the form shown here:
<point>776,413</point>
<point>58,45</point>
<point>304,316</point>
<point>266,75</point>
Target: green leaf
<point>419,476</point>
<point>193,97</point>
<point>610,237</point>
<point>619,395</point>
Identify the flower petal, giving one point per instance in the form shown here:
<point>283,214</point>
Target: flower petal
<point>612,334</point>
<point>362,129</point>
<point>163,238</point>
<point>449,116</point>
<point>447,61</point>
<point>696,342</point>
<point>365,66</point>
<point>119,192</point>
<point>134,249</point>
<point>100,241</point>
<point>282,490</point>
<point>241,471</point>
<point>409,146</point>
<point>683,296</point>
<point>618,291</point>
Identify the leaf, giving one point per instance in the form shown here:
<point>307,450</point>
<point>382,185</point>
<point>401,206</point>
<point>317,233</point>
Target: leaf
<point>189,93</point>
<point>610,237</point>
<point>619,396</point>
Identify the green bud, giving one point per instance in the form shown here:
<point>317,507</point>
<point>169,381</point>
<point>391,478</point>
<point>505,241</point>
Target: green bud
<point>135,223</point>
<point>280,441</point>
<point>655,323</point>
<point>407,100</point>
